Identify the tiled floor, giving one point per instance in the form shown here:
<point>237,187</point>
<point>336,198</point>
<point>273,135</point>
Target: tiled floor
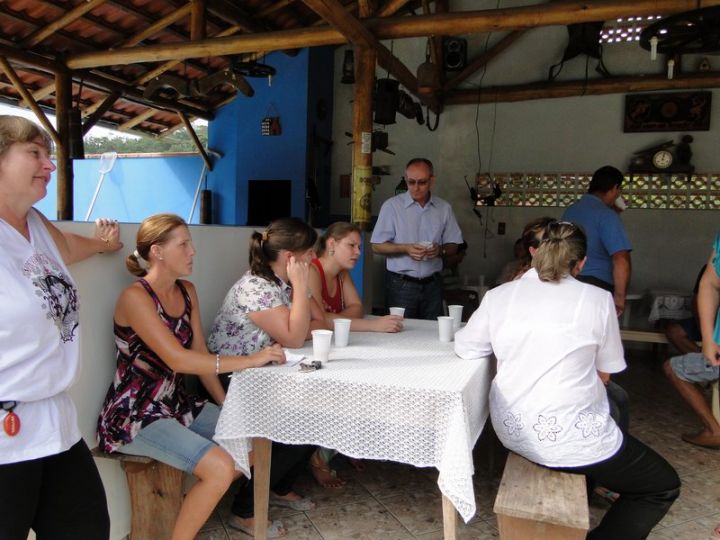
<point>391,501</point>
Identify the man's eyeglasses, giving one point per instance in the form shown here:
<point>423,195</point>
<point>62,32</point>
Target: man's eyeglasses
<point>420,181</point>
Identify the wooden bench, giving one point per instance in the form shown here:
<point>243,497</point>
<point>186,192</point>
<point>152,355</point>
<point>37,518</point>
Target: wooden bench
<point>156,493</point>
<point>539,504</point>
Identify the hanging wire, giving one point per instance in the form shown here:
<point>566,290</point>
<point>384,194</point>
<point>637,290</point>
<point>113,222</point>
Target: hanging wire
<point>479,93</point>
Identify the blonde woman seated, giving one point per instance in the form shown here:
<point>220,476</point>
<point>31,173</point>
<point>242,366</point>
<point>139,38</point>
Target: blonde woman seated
<point>159,337</point>
<point>332,287</point>
<point>556,340</point>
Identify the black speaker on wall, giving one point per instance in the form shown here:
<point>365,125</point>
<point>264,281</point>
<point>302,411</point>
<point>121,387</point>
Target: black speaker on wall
<point>454,54</point>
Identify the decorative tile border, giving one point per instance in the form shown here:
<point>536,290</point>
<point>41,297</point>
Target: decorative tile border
<point>651,191</point>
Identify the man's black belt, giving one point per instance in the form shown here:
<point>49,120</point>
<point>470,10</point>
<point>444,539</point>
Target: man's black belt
<point>421,281</point>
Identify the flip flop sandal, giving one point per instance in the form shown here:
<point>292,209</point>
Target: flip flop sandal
<point>274,529</point>
<point>301,505</point>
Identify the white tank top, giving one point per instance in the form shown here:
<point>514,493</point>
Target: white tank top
<point>39,343</point>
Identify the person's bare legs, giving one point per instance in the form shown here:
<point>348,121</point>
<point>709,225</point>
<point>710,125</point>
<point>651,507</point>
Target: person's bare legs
<point>678,338</point>
<point>215,472</point>
<point>695,398</point>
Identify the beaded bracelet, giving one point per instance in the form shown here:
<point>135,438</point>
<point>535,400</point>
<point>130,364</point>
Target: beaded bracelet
<point>217,364</point>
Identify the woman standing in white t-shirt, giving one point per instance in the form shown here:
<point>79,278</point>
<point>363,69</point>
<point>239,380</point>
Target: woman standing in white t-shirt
<point>556,340</point>
<point>49,480</point>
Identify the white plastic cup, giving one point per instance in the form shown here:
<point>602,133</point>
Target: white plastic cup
<point>445,328</point>
<point>342,332</point>
<point>321,345</point>
<point>455,311</point>
<point>620,204</point>
<point>399,311</point>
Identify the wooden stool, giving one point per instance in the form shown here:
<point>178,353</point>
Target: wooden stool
<point>539,504</point>
<point>156,493</point>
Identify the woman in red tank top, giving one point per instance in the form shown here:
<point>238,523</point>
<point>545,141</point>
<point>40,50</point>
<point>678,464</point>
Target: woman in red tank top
<point>332,287</point>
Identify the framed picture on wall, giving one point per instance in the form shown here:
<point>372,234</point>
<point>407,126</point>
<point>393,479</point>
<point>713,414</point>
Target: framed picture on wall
<point>667,111</point>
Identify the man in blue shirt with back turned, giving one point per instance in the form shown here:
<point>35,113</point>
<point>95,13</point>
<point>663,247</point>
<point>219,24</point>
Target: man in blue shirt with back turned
<point>608,247</point>
<point>414,231</point>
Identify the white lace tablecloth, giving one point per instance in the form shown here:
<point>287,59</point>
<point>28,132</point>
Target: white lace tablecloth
<point>402,397</point>
<point>670,305</point>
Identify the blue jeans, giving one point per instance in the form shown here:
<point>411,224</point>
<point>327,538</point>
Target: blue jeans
<point>168,441</point>
<point>420,300</point>
<point>647,484</point>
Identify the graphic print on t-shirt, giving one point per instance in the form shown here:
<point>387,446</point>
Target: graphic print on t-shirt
<point>59,295</point>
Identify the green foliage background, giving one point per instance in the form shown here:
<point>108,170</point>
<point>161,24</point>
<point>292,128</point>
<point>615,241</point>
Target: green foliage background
<point>179,141</point>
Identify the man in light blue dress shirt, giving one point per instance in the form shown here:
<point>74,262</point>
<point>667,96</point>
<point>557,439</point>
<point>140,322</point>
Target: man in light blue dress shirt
<point>414,230</point>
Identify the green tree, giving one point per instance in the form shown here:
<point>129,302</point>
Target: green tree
<point>179,141</point>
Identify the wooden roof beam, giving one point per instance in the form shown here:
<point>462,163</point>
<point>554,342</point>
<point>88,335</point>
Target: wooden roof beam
<point>159,25</point>
<point>135,120</point>
<point>391,7</point>
<point>198,25</point>
<point>484,59</point>
<point>196,140</point>
<point>229,12</point>
<point>20,87</point>
<point>274,6</point>
<point>562,12</point>
<point>333,12</point>
<point>148,32</point>
<point>593,87</point>
<point>70,16</point>
<point>99,110</point>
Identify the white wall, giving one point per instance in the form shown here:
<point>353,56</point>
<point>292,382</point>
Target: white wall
<point>577,134</point>
<point>221,259</point>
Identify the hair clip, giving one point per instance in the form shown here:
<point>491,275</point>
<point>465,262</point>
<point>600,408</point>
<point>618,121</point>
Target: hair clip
<point>264,236</point>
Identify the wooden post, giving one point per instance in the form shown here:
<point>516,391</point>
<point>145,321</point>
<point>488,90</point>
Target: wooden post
<point>449,519</point>
<point>63,104</point>
<point>262,450</point>
<point>362,137</point>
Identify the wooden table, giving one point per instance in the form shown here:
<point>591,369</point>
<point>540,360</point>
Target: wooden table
<point>402,397</point>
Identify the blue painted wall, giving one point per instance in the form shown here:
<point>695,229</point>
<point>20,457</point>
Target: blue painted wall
<point>133,189</point>
<point>248,155</point>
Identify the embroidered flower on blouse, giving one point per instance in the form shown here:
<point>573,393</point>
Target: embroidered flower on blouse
<point>547,428</point>
<point>513,423</point>
<point>589,423</point>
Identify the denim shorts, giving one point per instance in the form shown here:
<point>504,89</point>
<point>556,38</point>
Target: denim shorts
<point>694,368</point>
<point>169,442</point>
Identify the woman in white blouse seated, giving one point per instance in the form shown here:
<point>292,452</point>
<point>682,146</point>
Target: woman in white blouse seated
<point>556,340</point>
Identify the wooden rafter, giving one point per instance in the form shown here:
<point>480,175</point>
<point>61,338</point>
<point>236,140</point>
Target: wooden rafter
<point>135,120</point>
<point>484,59</point>
<point>274,6</point>
<point>161,24</point>
<point>74,14</point>
<point>198,26</point>
<point>99,109</point>
<point>146,33</point>
<point>196,140</point>
<point>390,8</point>
<point>20,87</point>
<point>555,13</point>
<point>357,34</point>
<point>593,87</point>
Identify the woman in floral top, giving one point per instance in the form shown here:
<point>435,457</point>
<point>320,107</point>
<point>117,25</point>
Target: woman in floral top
<point>159,336</point>
<point>270,305</point>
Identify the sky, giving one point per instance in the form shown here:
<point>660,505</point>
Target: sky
<point>94,132</point>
